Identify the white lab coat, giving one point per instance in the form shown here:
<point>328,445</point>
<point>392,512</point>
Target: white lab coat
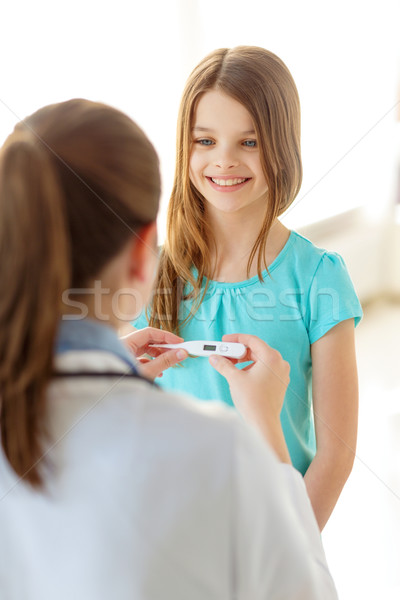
<point>151,496</point>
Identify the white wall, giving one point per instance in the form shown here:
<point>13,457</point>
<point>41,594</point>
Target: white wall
<point>368,237</point>
<point>366,246</point>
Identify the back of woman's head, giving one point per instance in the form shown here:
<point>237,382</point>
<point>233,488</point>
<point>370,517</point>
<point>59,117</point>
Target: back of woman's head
<point>77,180</point>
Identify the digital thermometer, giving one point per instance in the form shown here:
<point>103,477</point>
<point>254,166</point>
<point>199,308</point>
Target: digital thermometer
<point>205,348</point>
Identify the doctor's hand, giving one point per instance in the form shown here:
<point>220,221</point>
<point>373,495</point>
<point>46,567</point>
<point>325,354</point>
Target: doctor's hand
<point>139,342</point>
<point>258,390</point>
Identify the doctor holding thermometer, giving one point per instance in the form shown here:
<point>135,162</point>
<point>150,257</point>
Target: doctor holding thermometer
<point>109,486</point>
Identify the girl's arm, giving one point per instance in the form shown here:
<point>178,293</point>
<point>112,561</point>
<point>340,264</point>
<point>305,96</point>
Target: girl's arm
<point>335,400</point>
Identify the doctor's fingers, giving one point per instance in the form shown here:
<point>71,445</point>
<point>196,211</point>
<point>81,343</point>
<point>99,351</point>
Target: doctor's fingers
<point>154,368</point>
<point>138,341</point>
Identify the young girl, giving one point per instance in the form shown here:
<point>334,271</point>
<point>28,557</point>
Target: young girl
<point>229,265</point>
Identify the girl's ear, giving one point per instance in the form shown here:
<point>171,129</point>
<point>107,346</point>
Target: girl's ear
<point>144,252</point>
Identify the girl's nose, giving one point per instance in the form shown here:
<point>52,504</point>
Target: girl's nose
<point>226,159</point>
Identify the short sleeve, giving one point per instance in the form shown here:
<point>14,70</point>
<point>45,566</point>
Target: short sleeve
<point>332,297</point>
<point>141,321</point>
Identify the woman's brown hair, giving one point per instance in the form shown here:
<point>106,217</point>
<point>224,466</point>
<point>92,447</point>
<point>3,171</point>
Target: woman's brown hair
<point>77,180</point>
<point>261,82</point>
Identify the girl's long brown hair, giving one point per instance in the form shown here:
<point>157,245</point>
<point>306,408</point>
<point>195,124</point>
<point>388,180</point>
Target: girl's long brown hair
<point>77,180</point>
<point>260,81</point>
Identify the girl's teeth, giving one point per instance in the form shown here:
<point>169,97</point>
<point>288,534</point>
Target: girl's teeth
<point>227,182</point>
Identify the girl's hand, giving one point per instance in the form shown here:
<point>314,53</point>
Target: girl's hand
<point>259,389</point>
<point>138,343</point>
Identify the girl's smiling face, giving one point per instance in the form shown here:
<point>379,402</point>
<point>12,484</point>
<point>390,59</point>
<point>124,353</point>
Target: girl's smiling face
<point>225,165</point>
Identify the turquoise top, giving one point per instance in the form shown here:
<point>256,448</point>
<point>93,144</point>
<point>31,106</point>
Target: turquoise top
<point>307,292</point>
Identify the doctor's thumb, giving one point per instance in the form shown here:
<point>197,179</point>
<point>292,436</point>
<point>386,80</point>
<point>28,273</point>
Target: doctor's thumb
<point>222,365</point>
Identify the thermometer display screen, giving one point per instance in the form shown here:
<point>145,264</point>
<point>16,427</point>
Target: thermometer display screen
<point>209,347</point>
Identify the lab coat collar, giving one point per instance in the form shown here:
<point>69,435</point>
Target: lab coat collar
<point>89,334</point>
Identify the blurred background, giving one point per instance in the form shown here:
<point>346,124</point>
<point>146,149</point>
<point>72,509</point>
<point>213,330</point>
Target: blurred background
<point>345,59</point>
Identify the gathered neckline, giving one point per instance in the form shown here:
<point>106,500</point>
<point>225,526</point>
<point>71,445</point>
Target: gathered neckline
<point>212,283</point>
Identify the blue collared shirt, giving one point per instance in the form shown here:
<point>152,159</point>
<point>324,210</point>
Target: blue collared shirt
<point>89,334</point>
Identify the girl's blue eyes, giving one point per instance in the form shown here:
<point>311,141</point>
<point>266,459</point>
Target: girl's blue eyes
<point>207,142</point>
